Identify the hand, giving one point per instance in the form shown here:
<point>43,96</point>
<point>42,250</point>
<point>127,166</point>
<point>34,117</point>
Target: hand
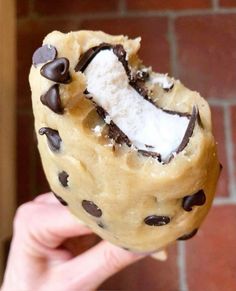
<point>39,261</point>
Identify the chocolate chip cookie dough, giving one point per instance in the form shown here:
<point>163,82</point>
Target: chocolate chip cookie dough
<point>128,151</point>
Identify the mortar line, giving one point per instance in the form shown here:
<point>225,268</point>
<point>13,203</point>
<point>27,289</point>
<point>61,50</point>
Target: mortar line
<point>229,151</point>
<point>173,46</point>
<point>181,260</point>
<point>122,7</point>
<point>224,201</point>
<point>31,7</point>
<point>33,14</point>
<point>222,102</point>
<point>215,5</point>
<point>135,14</point>
<point>196,12</point>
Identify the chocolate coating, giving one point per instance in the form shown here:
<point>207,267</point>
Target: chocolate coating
<point>63,178</point>
<point>101,112</point>
<point>137,81</point>
<point>154,220</point>
<point>52,99</point>
<point>189,130</point>
<point>44,54</point>
<point>91,208</point>
<point>120,52</point>
<point>188,235</point>
<point>87,57</point>
<point>150,154</point>
<point>117,134</point>
<point>57,71</point>
<point>114,132</point>
<point>196,199</point>
<point>53,138</point>
<point>62,201</point>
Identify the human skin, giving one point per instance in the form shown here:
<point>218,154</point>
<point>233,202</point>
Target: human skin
<point>38,259</point>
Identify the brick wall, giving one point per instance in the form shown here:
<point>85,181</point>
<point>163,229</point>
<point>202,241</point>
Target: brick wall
<point>192,40</point>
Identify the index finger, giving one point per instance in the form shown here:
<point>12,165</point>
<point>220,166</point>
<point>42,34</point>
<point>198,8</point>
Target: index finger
<point>47,224</point>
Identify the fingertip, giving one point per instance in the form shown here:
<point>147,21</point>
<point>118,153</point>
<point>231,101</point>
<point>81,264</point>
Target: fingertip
<point>45,198</point>
<point>125,257</point>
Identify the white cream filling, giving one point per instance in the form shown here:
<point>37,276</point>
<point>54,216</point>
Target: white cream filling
<point>140,120</point>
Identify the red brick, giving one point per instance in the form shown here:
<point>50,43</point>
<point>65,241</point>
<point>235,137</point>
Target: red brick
<point>233,124</point>
<point>167,4</point>
<point>24,157</point>
<point>22,7</point>
<point>30,34</point>
<point>153,30</point>
<point>227,3</point>
<point>206,58</point>
<point>219,133</point>
<point>147,275</point>
<point>59,7</point>
<point>210,256</point>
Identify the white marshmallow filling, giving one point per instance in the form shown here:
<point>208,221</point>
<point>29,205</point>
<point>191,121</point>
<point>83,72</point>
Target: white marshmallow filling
<point>148,127</point>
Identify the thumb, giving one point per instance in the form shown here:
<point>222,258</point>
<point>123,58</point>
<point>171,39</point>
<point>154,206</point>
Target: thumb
<point>91,268</point>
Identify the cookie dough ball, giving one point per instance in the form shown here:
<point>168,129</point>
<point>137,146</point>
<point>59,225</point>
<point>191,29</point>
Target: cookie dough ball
<point>128,151</point>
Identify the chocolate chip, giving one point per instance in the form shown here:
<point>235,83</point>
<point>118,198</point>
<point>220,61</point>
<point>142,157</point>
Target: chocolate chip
<point>100,224</point>
<point>155,220</point>
<point>167,89</point>
<point>196,199</point>
<point>63,178</point>
<point>53,138</point>
<point>57,71</point>
<point>52,99</point>
<point>188,235</point>
<point>62,201</point>
<point>86,92</point>
<point>44,54</point>
<point>142,75</point>
<point>126,249</point>
<point>91,208</point>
